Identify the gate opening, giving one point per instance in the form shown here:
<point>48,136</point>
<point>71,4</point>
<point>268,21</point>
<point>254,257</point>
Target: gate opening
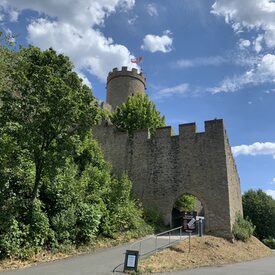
<point>186,202</point>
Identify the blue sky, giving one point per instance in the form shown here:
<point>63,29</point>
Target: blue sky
<point>202,59</point>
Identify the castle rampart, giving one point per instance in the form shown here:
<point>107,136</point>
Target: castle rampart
<point>165,166</point>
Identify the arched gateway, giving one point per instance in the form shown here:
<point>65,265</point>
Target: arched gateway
<point>165,166</point>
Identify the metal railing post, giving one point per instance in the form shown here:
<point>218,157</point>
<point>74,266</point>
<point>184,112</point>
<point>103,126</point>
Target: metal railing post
<point>156,243</point>
<point>189,242</point>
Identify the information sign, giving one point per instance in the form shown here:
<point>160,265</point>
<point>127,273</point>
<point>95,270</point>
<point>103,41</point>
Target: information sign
<point>189,221</point>
<point>131,260</point>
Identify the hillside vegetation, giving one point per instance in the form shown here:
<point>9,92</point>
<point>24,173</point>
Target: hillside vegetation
<point>56,190</point>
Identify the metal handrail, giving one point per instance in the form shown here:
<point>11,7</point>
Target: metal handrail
<point>173,229</point>
<point>139,243</point>
<point>145,239</point>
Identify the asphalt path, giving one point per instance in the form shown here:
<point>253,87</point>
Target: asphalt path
<point>100,262</point>
<point>264,266</point>
<point>103,261</point>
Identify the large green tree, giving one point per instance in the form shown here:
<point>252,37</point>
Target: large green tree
<point>260,209</point>
<point>138,112</point>
<point>55,187</point>
<point>47,109</point>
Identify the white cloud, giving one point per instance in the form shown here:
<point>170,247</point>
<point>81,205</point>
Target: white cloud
<point>258,43</point>
<point>155,43</point>
<point>132,20</point>
<point>246,16</point>
<point>270,192</point>
<point>244,43</point>
<point>88,49</point>
<point>201,61</point>
<point>71,27</point>
<point>249,14</point>
<point>180,89</point>
<point>80,13</point>
<point>152,10</point>
<point>262,72</point>
<point>257,148</point>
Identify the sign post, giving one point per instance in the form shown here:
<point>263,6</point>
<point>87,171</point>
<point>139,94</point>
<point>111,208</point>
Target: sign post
<point>189,221</point>
<point>200,227</point>
<point>131,260</point>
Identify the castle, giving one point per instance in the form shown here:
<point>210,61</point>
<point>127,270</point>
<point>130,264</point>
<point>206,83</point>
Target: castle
<point>165,166</point>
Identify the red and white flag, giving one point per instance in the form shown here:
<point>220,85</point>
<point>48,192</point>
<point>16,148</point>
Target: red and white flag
<point>137,60</point>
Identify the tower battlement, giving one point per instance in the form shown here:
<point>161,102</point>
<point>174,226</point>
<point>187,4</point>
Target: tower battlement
<point>125,72</point>
<point>122,84</point>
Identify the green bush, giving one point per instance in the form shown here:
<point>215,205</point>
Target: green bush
<point>153,218</point>
<point>123,213</point>
<point>260,208</point>
<point>39,227</point>
<point>243,229</point>
<point>87,222</point>
<point>269,242</point>
<point>63,225</point>
<point>13,242</point>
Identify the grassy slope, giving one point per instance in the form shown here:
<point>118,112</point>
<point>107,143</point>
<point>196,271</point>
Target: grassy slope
<point>205,251</point>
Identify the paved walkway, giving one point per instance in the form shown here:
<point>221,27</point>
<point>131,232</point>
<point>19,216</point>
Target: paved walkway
<point>102,262</point>
<point>265,266</point>
<point>98,263</point>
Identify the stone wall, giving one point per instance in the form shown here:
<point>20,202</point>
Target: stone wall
<point>166,166</point>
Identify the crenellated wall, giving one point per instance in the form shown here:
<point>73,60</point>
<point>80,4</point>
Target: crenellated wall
<point>166,166</point>
<point>122,84</point>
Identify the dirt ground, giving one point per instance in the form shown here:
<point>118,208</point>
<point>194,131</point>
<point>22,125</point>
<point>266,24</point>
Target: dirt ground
<point>205,251</point>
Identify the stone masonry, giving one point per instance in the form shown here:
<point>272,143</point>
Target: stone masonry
<point>121,84</point>
<point>165,166</point>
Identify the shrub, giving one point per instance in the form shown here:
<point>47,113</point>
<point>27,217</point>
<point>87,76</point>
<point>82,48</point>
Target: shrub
<point>269,242</point>
<point>260,208</point>
<point>87,223</point>
<point>39,227</point>
<point>243,229</point>
<point>123,213</point>
<point>63,225</point>
<point>13,241</point>
<point>153,218</point>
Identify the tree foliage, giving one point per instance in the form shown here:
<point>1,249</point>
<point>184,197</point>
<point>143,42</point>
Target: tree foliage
<point>138,112</point>
<point>47,109</point>
<point>260,208</point>
<point>56,190</point>
<point>242,229</point>
<point>7,61</point>
<point>186,202</point>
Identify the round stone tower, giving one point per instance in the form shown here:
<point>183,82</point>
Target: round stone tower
<point>122,84</point>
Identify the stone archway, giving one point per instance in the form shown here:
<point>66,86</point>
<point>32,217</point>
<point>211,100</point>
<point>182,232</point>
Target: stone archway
<point>186,202</point>
<point>200,207</point>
